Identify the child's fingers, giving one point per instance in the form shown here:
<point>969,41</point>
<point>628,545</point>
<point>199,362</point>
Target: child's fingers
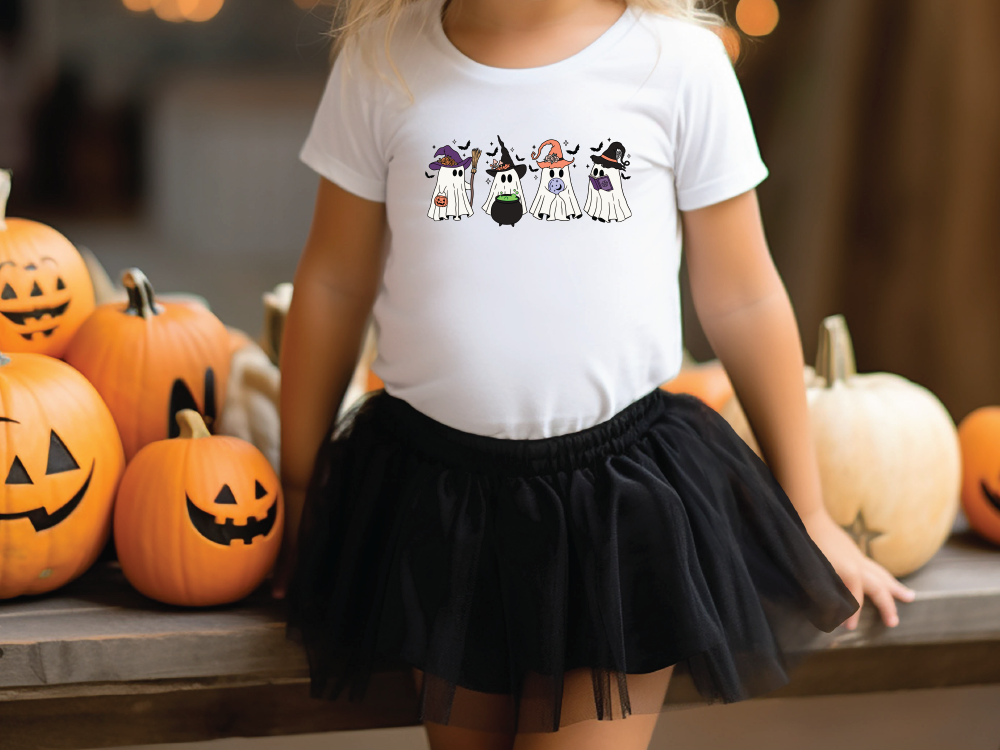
<point>856,586</point>
<point>883,590</point>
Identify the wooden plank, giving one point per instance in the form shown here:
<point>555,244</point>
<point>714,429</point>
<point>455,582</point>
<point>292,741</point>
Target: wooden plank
<point>177,711</point>
<point>99,630</point>
<point>189,715</point>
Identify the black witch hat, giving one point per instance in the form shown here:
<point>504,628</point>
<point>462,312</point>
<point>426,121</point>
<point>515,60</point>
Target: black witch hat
<point>506,163</point>
<point>612,157</point>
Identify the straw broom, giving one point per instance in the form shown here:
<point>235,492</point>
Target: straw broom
<point>475,160</point>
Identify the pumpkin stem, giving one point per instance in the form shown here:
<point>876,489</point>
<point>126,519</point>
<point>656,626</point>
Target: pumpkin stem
<point>4,195</point>
<point>141,301</point>
<point>835,354</point>
<point>191,424</point>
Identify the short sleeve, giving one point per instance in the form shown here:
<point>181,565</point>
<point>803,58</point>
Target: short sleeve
<point>343,143</point>
<point>716,155</point>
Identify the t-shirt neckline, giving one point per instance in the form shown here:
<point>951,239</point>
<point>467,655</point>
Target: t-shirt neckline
<point>611,35</point>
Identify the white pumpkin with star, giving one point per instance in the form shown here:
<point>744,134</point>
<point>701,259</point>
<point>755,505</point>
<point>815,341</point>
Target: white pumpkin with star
<point>888,454</point>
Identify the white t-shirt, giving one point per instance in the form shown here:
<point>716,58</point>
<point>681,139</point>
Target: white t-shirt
<point>540,295</point>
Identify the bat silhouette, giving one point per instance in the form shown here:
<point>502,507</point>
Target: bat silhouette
<point>599,147</point>
<point>494,152</point>
<point>574,150</point>
<point>428,175</point>
<point>466,146</point>
<point>518,157</point>
<point>626,177</point>
<point>532,168</point>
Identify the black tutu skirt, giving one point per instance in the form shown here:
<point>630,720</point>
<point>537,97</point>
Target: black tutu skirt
<point>504,568</point>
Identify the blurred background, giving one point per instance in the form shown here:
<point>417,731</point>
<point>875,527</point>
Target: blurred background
<point>172,144</point>
<point>167,143</point>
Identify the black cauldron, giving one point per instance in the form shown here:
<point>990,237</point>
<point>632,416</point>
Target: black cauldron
<point>506,209</point>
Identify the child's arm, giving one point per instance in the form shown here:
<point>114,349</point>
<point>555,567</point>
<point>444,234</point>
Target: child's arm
<point>748,319</point>
<point>336,283</point>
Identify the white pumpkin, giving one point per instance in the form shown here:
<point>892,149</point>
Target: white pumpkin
<point>888,454</point>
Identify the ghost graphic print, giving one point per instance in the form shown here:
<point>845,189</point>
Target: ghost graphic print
<point>505,203</point>
<point>555,199</point>
<point>449,199</point>
<point>605,198</point>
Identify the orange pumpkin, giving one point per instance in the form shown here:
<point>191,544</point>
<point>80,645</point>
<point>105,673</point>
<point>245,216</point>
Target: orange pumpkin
<point>45,288</point>
<point>706,380</point>
<point>199,518</point>
<point>151,359</point>
<point>61,463</point>
<point>979,436</point>
<point>441,200</point>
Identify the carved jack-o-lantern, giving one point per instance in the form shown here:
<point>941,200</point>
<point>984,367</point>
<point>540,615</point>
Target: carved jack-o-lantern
<point>441,200</point>
<point>979,435</point>
<point>60,462</point>
<point>45,289</point>
<point>150,359</point>
<point>199,518</point>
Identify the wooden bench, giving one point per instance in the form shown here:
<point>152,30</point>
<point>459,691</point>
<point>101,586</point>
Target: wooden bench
<point>98,665</point>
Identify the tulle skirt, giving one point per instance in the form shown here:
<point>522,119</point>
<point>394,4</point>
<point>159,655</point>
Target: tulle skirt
<point>502,567</point>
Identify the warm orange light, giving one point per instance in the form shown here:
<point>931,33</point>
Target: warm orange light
<point>168,10</point>
<point>200,10</point>
<point>177,10</point>
<point>757,17</point>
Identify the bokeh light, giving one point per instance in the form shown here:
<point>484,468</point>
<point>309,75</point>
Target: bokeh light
<point>757,17</point>
<point>177,10</point>
<point>203,10</point>
<point>168,10</point>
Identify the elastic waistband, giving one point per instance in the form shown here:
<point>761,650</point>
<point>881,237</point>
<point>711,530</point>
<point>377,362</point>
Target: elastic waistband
<point>491,455</point>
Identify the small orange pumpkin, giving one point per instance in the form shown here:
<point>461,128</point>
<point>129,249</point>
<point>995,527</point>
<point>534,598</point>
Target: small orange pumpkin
<point>45,288</point>
<point>979,436</point>
<point>150,359</point>
<point>61,463</point>
<point>706,380</point>
<point>441,200</point>
<point>199,518</point>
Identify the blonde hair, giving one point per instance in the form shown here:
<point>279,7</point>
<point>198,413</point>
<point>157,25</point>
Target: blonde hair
<point>355,19</point>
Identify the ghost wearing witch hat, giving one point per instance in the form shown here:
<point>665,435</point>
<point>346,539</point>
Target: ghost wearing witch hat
<point>555,199</point>
<point>605,199</point>
<point>449,199</point>
<point>505,203</point>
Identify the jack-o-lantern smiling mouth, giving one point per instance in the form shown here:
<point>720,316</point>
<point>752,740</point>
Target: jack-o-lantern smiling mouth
<point>21,318</point>
<point>993,498</point>
<point>41,519</point>
<point>224,533</point>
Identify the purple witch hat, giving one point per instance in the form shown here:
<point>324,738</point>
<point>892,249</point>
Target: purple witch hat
<point>449,158</point>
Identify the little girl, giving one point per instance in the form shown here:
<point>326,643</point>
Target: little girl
<point>522,517</point>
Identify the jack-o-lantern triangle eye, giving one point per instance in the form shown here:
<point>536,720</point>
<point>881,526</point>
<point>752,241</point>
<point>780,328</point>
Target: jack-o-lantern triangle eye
<point>36,291</point>
<point>259,490</point>
<point>60,459</point>
<point>225,496</point>
<point>60,284</point>
<point>18,474</point>
<point>8,292</point>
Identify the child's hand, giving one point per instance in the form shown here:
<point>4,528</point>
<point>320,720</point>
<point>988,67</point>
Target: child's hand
<point>860,573</point>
